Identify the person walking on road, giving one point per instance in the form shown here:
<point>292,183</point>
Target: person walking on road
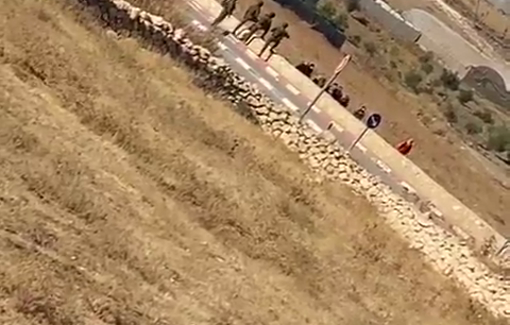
<point>405,146</point>
<point>277,36</point>
<point>263,25</point>
<point>251,14</point>
<point>228,8</point>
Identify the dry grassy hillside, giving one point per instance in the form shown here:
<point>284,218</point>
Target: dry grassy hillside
<point>129,197</point>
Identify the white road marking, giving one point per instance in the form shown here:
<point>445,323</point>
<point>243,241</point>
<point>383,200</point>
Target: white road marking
<point>251,54</point>
<point>314,126</point>
<point>361,147</point>
<point>337,127</point>
<point>272,72</point>
<point>314,108</point>
<point>292,89</point>
<point>243,63</point>
<point>222,46</point>
<point>408,187</point>
<point>266,83</point>
<point>199,25</point>
<point>383,166</point>
<point>290,105</point>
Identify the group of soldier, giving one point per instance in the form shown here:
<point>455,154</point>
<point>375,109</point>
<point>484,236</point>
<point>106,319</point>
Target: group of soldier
<point>335,90</point>
<point>260,27</point>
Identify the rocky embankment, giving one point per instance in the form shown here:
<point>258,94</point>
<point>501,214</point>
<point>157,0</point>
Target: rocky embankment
<point>446,252</point>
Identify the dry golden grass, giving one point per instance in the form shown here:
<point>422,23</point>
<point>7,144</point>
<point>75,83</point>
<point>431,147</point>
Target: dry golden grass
<point>129,197</point>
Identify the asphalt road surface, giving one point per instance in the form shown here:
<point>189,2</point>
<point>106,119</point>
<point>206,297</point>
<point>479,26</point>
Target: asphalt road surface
<point>281,91</point>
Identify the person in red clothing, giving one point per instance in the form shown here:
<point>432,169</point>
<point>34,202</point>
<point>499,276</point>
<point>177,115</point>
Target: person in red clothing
<point>405,146</point>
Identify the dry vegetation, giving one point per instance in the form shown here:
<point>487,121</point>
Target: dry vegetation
<point>129,197</point>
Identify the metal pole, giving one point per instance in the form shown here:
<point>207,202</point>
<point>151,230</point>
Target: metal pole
<point>333,77</point>
<point>355,142</point>
<point>476,12</point>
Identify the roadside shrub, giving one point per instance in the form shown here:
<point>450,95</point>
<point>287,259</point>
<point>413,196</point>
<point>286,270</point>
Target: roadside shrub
<point>341,21</point>
<point>327,9</point>
<point>472,127</point>
<point>450,114</point>
<point>465,96</point>
<point>413,80</point>
<point>355,40</point>
<point>370,47</point>
<point>427,67</point>
<point>427,57</point>
<point>353,5</point>
<point>485,116</point>
<point>499,139</point>
<point>450,80</point>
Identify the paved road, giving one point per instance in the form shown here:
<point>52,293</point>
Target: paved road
<point>281,91</point>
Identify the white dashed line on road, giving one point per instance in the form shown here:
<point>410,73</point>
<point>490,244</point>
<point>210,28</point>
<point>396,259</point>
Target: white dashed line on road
<point>292,89</point>
<point>266,83</point>
<point>361,147</point>
<point>290,105</point>
<point>272,72</point>
<point>199,25</point>
<point>222,46</point>
<point>243,63</point>
<point>314,108</point>
<point>408,187</point>
<point>383,166</point>
<point>314,126</point>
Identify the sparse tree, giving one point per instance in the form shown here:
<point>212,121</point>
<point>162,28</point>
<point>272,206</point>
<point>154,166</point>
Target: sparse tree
<point>353,5</point>
<point>485,116</point>
<point>465,96</point>
<point>370,47</point>
<point>413,80</point>
<point>499,138</point>
<point>450,80</point>
<point>473,128</point>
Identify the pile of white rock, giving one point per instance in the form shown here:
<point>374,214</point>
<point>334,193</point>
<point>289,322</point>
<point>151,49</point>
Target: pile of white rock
<point>445,251</point>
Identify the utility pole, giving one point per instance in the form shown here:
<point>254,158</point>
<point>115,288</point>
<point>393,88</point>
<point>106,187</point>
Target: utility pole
<point>335,74</point>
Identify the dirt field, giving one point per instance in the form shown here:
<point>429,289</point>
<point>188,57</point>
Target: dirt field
<point>404,115</point>
<point>129,197</point>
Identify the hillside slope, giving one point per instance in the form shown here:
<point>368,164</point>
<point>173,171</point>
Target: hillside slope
<point>128,196</point>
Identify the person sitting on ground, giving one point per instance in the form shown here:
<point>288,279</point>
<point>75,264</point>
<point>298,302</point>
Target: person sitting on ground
<point>227,9</point>
<point>405,146</point>
<point>263,25</point>
<point>345,100</point>
<point>277,35</point>
<point>251,14</point>
<point>360,112</point>
<point>306,68</point>
<point>336,92</point>
<point>320,81</point>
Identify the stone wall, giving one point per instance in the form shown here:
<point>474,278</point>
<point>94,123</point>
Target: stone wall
<point>446,252</point>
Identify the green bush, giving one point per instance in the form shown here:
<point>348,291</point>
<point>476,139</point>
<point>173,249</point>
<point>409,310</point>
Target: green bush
<point>355,40</point>
<point>465,96</point>
<point>450,80</point>
<point>473,127</point>
<point>485,116</point>
<point>341,21</point>
<point>427,67</point>
<point>450,114</point>
<point>499,138</point>
<point>327,9</point>
<point>413,80</point>
<point>427,57</point>
<point>352,5</point>
<point>370,47</point>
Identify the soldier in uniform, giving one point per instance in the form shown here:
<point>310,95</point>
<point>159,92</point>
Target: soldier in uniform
<point>320,81</point>
<point>306,68</point>
<point>251,14</point>
<point>264,25</point>
<point>228,7</point>
<point>277,36</point>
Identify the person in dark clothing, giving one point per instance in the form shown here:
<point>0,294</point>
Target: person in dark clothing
<point>335,90</point>
<point>345,100</point>
<point>306,68</point>
<point>228,7</point>
<point>320,81</point>
<point>264,25</point>
<point>277,36</point>
<point>360,112</point>
<point>251,14</point>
